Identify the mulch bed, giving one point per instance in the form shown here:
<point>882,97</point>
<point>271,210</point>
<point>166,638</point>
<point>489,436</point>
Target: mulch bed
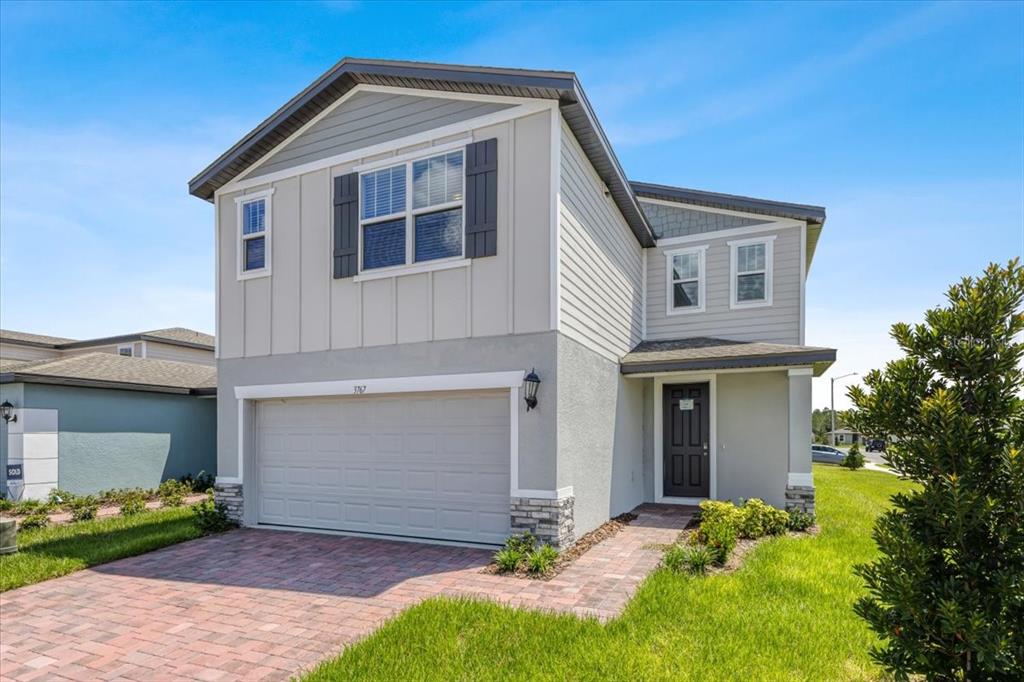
<point>743,547</point>
<point>599,534</point>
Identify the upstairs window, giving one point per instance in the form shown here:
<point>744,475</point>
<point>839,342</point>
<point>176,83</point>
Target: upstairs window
<point>254,235</point>
<point>396,231</point>
<point>126,350</point>
<point>685,279</point>
<point>751,272</point>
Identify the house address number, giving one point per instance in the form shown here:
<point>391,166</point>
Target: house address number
<point>359,389</point>
<point>686,404</point>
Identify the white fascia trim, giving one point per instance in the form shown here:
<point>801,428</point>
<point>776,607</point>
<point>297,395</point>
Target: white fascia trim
<point>769,268</point>
<point>399,159</point>
<point>806,480</point>
<point>724,234</point>
<point>803,283</point>
<point>684,375</point>
<point>671,310</point>
<point>265,195</point>
<point>720,211</point>
<point>556,218</point>
<point>531,107</point>
<point>415,269</point>
<point>357,387</point>
<point>801,371</point>
<point>559,494</point>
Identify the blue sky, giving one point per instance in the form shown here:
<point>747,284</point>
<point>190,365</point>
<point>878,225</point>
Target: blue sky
<point>905,120</point>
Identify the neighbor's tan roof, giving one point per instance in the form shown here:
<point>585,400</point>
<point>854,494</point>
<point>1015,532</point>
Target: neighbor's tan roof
<point>109,368</point>
<point>180,334</point>
<point>704,352</point>
<point>25,337</point>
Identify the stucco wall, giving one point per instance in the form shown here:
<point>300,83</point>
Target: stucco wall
<point>600,435</point>
<point>115,439</point>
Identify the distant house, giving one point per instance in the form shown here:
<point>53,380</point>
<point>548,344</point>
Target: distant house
<point>844,436</point>
<point>115,412</point>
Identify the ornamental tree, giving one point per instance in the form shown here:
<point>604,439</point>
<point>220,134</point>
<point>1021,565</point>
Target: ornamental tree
<point>947,593</point>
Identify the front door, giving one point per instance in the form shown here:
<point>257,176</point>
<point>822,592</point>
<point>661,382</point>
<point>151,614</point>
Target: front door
<point>686,455</point>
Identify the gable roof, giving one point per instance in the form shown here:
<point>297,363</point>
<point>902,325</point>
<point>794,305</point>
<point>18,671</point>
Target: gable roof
<point>176,336</point>
<point>562,86</point>
<point>108,370</point>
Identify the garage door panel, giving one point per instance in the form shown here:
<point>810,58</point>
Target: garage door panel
<point>433,466</point>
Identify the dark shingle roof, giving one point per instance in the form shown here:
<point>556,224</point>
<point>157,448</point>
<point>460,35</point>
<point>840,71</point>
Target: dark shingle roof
<point>108,370</point>
<point>735,202</point>
<point>704,352</point>
<point>562,86</point>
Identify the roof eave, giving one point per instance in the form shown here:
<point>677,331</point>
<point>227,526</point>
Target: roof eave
<point>819,360</point>
<point>813,215</point>
<point>17,377</point>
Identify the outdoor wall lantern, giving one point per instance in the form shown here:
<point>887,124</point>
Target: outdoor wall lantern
<point>532,381</point>
<point>7,410</point>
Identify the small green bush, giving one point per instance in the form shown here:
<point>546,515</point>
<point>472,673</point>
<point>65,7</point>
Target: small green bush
<point>854,459</point>
<point>6,505</point>
<point>542,559</point>
<point>758,519</point>
<point>211,517</point>
<point>695,560</point>
<point>719,537</point>
<point>35,520</point>
<point>29,507</point>
<point>84,508</point>
<point>799,520</point>
<point>524,543</point>
<point>675,558</point>
<point>132,502</point>
<point>200,483</point>
<point>172,493</point>
<point>508,559</point>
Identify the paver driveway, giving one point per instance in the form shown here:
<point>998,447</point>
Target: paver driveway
<point>263,604</point>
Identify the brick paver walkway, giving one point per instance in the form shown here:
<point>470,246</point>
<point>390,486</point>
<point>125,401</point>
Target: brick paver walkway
<point>260,604</point>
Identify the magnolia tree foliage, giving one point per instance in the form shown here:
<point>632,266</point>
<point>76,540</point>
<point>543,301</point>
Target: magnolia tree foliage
<point>946,594</point>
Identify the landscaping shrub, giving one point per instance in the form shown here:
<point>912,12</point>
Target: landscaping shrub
<point>6,505</point>
<point>132,502</point>
<point>200,483</point>
<point>757,518</point>
<point>542,559</point>
<point>944,596</point>
<point>696,560</point>
<point>29,507</point>
<point>83,508</point>
<point>719,536</point>
<point>35,520</point>
<point>172,493</point>
<point>508,559</point>
<point>524,543</point>
<point>854,459</point>
<point>58,498</point>
<point>799,520</point>
<point>211,517</point>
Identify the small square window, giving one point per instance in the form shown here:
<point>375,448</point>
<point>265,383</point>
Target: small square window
<point>125,351</point>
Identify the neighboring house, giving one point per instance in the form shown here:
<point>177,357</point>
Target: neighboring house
<point>401,243</point>
<point>844,436</point>
<point>101,414</point>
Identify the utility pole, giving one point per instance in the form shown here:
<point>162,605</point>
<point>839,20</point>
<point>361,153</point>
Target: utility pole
<point>832,433</point>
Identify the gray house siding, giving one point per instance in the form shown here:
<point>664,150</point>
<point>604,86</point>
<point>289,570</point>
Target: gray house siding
<point>678,221</point>
<point>369,118</point>
<point>300,307</point>
<point>168,351</point>
<point>601,262</point>
<point>778,323</point>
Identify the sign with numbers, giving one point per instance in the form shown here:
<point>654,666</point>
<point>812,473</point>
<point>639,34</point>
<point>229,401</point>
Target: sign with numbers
<point>686,404</point>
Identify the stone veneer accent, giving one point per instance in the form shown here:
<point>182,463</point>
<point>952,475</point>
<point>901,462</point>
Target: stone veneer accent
<point>800,497</point>
<point>550,520</point>
<point>230,496</point>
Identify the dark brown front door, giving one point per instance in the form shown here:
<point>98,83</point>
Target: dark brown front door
<point>686,454</point>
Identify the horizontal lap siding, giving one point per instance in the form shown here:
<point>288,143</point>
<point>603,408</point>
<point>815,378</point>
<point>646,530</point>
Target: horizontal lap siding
<point>601,266</point>
<point>778,323</point>
<point>370,118</point>
<point>166,351</point>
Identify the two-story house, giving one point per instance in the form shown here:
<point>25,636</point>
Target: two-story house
<point>404,248</point>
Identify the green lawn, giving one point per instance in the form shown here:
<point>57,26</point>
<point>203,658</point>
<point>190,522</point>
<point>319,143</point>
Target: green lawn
<point>785,615</point>
<point>45,553</point>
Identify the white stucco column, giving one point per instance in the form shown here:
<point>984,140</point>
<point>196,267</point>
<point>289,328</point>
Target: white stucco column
<point>800,426</point>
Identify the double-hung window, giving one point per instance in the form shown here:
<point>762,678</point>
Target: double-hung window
<point>685,279</point>
<point>254,234</point>
<point>751,272</point>
<point>412,212</point>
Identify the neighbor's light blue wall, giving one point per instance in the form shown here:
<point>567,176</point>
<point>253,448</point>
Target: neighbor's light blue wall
<point>121,439</point>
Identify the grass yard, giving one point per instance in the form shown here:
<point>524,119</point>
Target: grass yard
<point>786,615</point>
<point>50,552</point>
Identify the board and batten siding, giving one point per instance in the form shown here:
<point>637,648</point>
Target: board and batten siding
<point>369,118</point>
<point>300,307</point>
<point>600,261</point>
<point>778,323</point>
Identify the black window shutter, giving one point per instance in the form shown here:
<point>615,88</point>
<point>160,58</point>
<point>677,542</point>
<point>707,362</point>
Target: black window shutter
<point>482,198</point>
<point>346,225</point>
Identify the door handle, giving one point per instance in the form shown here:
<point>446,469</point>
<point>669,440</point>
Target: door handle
<point>705,449</point>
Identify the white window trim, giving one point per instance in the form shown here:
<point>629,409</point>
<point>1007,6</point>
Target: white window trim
<point>702,298</point>
<point>769,260</point>
<point>129,346</point>
<point>410,266</point>
<point>242,273</point>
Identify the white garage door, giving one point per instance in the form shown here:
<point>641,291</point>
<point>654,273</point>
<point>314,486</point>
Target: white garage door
<point>420,465</point>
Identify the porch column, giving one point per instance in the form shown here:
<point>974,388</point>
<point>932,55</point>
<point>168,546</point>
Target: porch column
<point>799,482</point>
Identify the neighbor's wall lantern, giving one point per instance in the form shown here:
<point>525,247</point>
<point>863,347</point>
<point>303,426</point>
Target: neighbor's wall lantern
<point>531,382</point>
<point>7,411</point>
